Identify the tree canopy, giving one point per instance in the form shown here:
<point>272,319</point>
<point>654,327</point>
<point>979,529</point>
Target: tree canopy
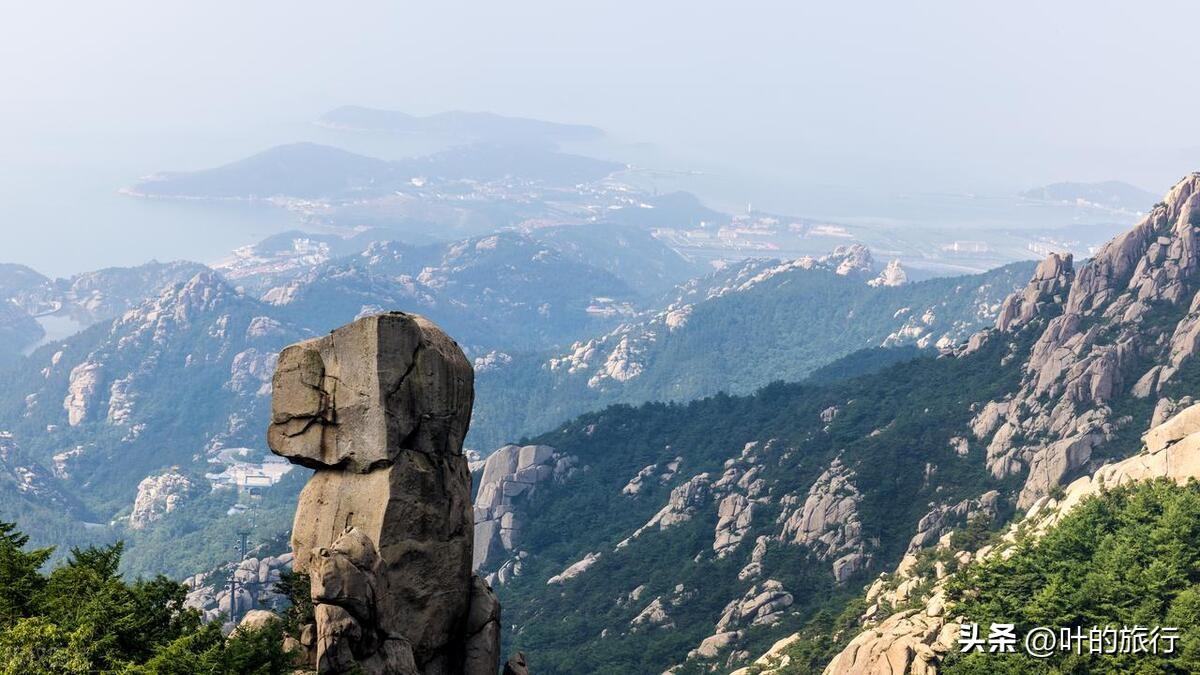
<point>82,617</point>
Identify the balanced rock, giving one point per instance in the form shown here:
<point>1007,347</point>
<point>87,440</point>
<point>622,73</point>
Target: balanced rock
<point>379,408</point>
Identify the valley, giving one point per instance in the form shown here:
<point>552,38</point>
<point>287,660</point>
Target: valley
<point>694,433</point>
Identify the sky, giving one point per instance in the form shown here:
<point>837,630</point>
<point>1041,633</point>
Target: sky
<point>895,96</point>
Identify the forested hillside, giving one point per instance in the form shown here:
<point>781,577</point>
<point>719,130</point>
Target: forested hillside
<point>733,331</point>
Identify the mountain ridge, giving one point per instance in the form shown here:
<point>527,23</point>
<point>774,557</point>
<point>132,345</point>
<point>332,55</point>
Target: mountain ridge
<point>811,488</point>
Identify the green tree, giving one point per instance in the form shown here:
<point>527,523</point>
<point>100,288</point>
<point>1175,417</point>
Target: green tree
<point>19,577</point>
<point>84,618</point>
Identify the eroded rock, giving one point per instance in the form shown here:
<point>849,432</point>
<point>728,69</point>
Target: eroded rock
<point>827,522</point>
<point>510,476</point>
<point>379,409</point>
<point>158,496</point>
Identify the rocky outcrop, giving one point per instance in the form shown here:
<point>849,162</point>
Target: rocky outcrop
<point>510,476</point>
<point>516,665</point>
<point>81,392</point>
<point>685,501</point>
<point>641,479</point>
<point>1045,292</point>
<point>892,275</point>
<point>753,569</point>
<point>907,642</point>
<point>255,589</point>
<point>827,522</point>
<point>379,409</point>
<point>251,371</point>
<point>763,604</point>
<point>772,660</point>
<point>657,614</point>
<point>715,644</point>
<point>943,518</point>
<point>120,401</point>
<point>158,496</point>
<point>735,513</point>
<point>24,479</point>
<point>854,259</point>
<point>575,569</point>
<point>1122,326</point>
<point>915,640</point>
<point>653,614</point>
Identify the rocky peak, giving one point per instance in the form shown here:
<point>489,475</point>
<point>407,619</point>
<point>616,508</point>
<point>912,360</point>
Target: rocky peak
<point>203,297</point>
<point>1100,347</point>
<point>892,275</point>
<point>850,260</point>
<point>202,293</point>
<point>1048,287</point>
<point>386,253</point>
<point>1155,260</point>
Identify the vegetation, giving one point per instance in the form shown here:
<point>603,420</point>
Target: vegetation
<point>890,427</point>
<point>82,617</point>
<point>820,639</point>
<point>792,323</point>
<point>1130,556</point>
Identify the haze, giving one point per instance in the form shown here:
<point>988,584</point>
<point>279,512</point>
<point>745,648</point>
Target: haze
<point>785,100</point>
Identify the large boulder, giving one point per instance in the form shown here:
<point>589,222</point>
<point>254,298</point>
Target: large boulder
<point>379,408</point>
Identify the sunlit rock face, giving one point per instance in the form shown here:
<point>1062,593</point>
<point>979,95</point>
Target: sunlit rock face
<point>379,409</point>
<point>1121,325</point>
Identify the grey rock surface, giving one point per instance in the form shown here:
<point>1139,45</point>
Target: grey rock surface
<point>379,408</point>
<point>510,476</point>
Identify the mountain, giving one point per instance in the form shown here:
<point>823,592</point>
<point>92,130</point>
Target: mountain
<point>23,294</point>
<point>632,254</point>
<point>29,488</point>
<point>75,303</point>
<point>104,294</point>
<point>458,125</point>
<point>103,412</point>
<point>89,297</point>
<point>105,409</point>
<point>734,331</point>
<point>502,291</point>
<point>313,171</point>
<point>695,535</point>
<point>24,286</point>
<point>17,329</point>
<point>503,161</point>
<point>738,517</point>
<point>629,252</point>
<point>305,170</point>
<point>734,519</point>
<point>1110,195</point>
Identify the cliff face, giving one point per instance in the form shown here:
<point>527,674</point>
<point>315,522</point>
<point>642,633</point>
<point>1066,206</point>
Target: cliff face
<point>379,409</point>
<point>1101,351</point>
<point>1121,327</point>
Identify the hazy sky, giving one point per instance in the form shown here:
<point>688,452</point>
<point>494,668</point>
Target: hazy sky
<point>893,95</point>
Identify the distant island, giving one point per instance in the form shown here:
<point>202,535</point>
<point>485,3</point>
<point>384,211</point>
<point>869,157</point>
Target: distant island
<point>1110,195</point>
<point>312,171</point>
